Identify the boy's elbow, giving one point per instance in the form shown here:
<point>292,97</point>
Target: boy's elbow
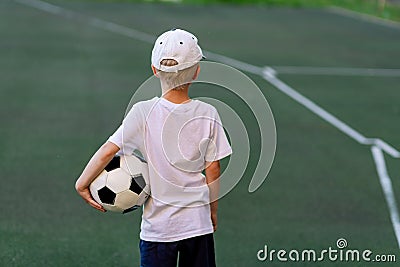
<point>78,186</point>
<point>213,166</point>
<point>213,169</point>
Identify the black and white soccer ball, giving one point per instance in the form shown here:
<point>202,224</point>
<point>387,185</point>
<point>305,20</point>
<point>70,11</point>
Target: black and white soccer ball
<point>123,185</point>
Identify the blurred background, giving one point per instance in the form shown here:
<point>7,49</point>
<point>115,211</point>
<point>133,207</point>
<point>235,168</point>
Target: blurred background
<point>330,71</point>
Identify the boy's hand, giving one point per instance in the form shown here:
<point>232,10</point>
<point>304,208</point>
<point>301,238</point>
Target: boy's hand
<point>85,194</point>
<point>96,165</point>
<point>214,221</point>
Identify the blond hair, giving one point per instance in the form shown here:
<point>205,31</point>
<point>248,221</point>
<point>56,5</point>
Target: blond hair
<point>176,80</point>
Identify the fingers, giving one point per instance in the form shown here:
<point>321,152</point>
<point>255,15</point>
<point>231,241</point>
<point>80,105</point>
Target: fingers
<point>95,205</point>
<point>85,194</point>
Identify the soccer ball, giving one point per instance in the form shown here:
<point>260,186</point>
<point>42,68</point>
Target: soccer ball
<point>123,185</point>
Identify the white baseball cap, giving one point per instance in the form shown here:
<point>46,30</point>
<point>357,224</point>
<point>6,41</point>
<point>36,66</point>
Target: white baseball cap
<point>179,45</point>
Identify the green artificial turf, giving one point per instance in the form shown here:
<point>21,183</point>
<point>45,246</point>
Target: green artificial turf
<point>64,87</point>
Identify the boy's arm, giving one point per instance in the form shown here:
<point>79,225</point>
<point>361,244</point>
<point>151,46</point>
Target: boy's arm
<point>96,165</point>
<point>212,172</point>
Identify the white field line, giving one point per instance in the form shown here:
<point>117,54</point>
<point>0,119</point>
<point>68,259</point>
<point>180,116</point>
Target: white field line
<point>234,63</point>
<point>129,32</point>
<point>364,17</point>
<point>268,74</point>
<point>96,22</point>
<point>141,36</point>
<point>334,71</point>
<point>387,188</point>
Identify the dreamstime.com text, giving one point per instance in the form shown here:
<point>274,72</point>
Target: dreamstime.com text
<point>340,253</point>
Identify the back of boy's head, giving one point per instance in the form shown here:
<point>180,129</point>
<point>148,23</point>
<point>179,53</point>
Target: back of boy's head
<point>176,57</point>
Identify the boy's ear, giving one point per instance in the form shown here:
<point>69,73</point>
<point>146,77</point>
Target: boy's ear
<point>154,70</point>
<point>196,74</point>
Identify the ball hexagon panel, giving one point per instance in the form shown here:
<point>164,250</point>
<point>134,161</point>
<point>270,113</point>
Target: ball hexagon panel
<point>112,208</point>
<point>118,180</point>
<point>131,164</point>
<point>126,199</point>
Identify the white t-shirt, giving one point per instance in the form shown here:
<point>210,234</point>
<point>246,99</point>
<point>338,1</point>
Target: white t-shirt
<point>176,141</point>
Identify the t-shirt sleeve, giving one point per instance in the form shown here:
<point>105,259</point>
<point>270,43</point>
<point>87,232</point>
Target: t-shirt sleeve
<point>218,146</point>
<point>129,134</point>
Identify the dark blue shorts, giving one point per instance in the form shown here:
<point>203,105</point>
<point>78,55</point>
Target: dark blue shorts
<point>192,252</point>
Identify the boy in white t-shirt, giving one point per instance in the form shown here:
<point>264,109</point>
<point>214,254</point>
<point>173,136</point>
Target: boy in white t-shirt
<point>179,138</point>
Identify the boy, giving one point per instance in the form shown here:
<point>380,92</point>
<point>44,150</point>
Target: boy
<point>179,138</point>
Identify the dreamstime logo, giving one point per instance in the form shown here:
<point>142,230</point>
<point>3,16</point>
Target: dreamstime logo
<point>245,91</point>
<point>341,253</point>
<point>341,243</point>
